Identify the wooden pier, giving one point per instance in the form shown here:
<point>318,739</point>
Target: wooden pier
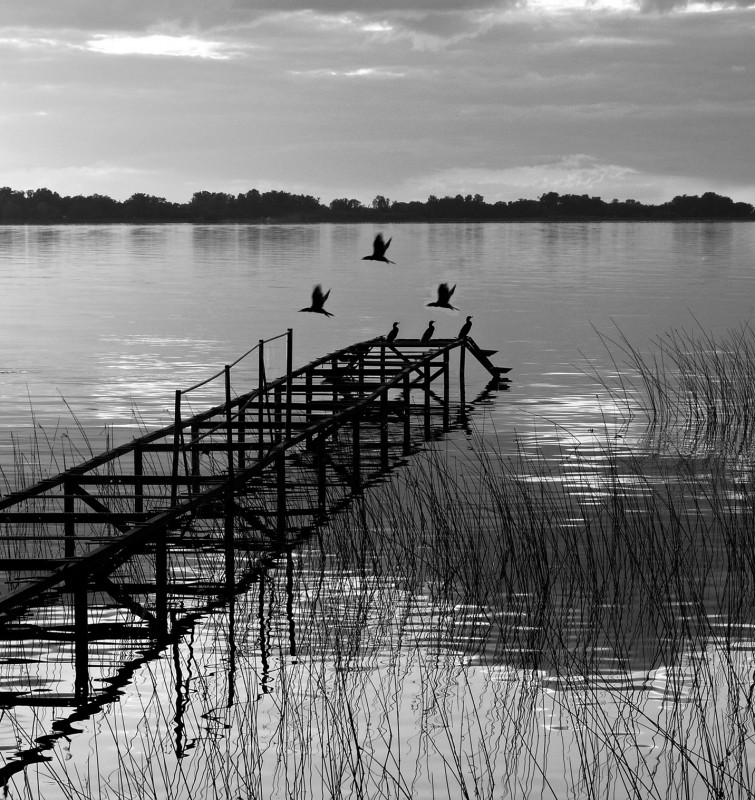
<point>139,542</point>
<point>272,460</point>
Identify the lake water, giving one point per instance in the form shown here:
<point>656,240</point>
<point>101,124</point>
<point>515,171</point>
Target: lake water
<point>111,319</point>
<point>360,674</point>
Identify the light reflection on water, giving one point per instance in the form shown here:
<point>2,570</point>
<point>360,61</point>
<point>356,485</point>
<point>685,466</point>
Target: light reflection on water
<point>405,680</point>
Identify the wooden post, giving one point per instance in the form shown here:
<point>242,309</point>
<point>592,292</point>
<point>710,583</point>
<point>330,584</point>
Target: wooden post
<point>241,435</point>
<point>161,582</point>
<point>138,485</point>
<point>334,365</point>
<point>69,526</point>
<point>322,474</point>
<point>308,400</point>
<point>289,378</point>
<point>280,465</point>
<point>228,422</point>
<point>176,448</point>
<point>407,415</point>
<point>278,412</point>
<point>360,371</point>
<point>462,387</point>
<point>229,541</point>
<point>261,398</point>
<point>383,414</point>
<point>446,390</point>
<point>356,478</point>
<point>195,463</point>
<point>427,400</point>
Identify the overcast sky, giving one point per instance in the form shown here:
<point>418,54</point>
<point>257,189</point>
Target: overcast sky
<point>403,98</point>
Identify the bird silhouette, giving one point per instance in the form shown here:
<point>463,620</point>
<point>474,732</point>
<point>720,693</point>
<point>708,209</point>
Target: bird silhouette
<point>379,246</point>
<point>428,334</point>
<point>444,297</point>
<point>318,302</point>
<point>466,328</point>
<point>392,333</point>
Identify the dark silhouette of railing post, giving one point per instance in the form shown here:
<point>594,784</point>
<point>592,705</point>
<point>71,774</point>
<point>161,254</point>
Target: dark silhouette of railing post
<point>446,390</point>
<point>289,378</point>
<point>69,526</point>
<point>138,484</point>
<point>427,400</point>
<point>228,423</point>
<point>261,398</point>
<point>229,511</point>
<point>322,485</point>
<point>278,412</point>
<point>241,434</point>
<point>229,541</point>
<point>176,448</point>
<point>383,414</point>
<point>195,465</point>
<point>334,364</point>
<point>356,463</point>
<point>360,371</point>
<point>407,415</point>
<point>280,478</point>
<point>308,402</point>
<point>462,387</point>
<point>161,582</point>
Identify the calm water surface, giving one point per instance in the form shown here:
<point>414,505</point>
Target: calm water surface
<point>366,656</point>
<point>113,319</point>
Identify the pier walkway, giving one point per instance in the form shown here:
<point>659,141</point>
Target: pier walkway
<point>268,464</point>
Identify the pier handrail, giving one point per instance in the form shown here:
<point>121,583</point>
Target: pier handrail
<point>45,484</point>
<point>233,363</point>
<point>355,388</point>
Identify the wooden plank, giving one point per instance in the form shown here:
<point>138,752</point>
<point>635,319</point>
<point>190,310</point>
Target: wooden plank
<point>48,517</point>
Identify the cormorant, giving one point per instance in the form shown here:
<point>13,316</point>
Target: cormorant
<point>378,250</point>
<point>318,301</point>
<point>466,328</point>
<point>392,333</point>
<point>444,297</point>
<point>428,334</point>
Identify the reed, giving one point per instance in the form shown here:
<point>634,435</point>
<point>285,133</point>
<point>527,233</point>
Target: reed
<point>483,624</point>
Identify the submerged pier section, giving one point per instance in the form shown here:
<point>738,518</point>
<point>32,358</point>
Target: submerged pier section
<point>268,464</point>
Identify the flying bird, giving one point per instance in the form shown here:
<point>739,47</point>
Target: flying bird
<point>379,246</point>
<point>466,328</point>
<point>444,297</point>
<point>318,302</point>
<point>392,333</point>
<point>428,334</point>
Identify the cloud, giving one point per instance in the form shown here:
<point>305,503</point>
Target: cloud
<point>158,45</point>
<point>667,6</point>
<point>361,72</point>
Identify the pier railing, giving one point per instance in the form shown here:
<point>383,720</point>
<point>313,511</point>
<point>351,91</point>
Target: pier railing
<point>277,458</point>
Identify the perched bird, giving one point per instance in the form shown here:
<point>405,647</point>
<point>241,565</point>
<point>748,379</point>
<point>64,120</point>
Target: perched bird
<point>466,328</point>
<point>392,333</point>
<point>444,297</point>
<point>318,302</point>
<point>379,246</point>
<point>428,334</point>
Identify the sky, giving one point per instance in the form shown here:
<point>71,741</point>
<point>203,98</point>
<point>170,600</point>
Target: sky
<point>640,99</point>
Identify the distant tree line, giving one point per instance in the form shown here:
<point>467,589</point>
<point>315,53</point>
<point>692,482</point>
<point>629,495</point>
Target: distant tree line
<point>43,206</point>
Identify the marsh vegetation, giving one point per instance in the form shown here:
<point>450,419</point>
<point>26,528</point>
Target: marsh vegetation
<point>571,620</point>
